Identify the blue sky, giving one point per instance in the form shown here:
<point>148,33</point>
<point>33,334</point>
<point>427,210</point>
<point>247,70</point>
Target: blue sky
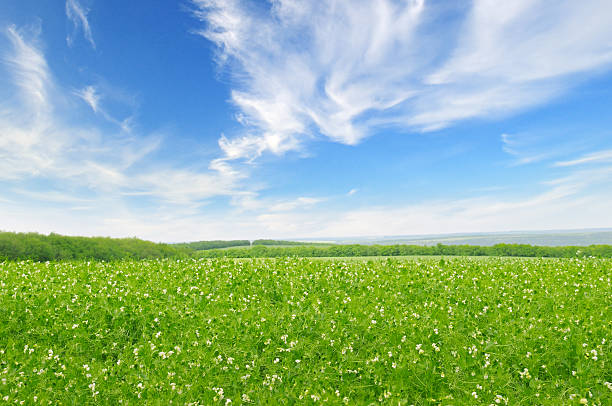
<point>218,119</point>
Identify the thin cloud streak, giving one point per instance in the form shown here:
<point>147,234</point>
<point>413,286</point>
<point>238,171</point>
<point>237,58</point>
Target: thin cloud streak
<point>29,69</point>
<point>93,98</point>
<point>78,16</point>
<point>525,149</point>
<point>599,156</point>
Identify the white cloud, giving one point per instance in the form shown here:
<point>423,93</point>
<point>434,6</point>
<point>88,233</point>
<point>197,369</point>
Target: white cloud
<point>285,87</point>
<point>345,68</point>
<point>579,200</point>
<point>300,202</point>
<point>30,71</point>
<point>599,156</point>
<point>36,143</point>
<point>521,41</point>
<point>90,95</point>
<point>78,16</point>
<point>527,148</point>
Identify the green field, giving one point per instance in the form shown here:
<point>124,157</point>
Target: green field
<point>297,331</point>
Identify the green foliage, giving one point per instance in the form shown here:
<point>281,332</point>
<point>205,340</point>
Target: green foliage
<point>279,242</point>
<point>458,331</point>
<point>208,245</point>
<point>38,247</point>
<point>511,250</point>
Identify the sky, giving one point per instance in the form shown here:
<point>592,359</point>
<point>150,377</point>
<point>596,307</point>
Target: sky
<point>226,119</point>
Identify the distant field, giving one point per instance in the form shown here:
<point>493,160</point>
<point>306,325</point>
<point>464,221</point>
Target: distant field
<point>418,330</point>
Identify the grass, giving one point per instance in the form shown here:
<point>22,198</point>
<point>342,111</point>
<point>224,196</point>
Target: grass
<point>293,331</point>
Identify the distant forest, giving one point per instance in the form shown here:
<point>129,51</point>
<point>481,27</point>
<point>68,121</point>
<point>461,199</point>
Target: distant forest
<point>39,247</point>
<point>209,245</point>
<point>510,250</point>
<point>214,244</point>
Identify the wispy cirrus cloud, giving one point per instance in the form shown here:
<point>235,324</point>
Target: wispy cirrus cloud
<point>531,147</point>
<point>594,157</point>
<point>29,69</point>
<point>77,14</point>
<point>86,175</point>
<point>344,68</point>
<point>299,203</point>
<point>579,198</point>
<point>90,95</point>
<point>38,143</point>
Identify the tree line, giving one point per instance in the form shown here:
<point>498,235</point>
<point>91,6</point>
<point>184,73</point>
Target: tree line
<point>214,244</point>
<point>39,247</point>
<point>280,242</point>
<point>209,245</point>
<point>356,250</point>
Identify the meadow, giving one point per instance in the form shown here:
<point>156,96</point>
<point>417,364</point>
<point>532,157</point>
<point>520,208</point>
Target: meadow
<point>409,331</point>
